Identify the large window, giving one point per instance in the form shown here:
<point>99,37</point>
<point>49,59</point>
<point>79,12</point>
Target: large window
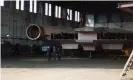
<point>1,2</point>
<point>77,16</point>
<point>22,4</point>
<point>69,14</point>
<point>48,9</point>
<point>31,5</point>
<point>35,6</point>
<point>57,11</point>
<point>17,4</point>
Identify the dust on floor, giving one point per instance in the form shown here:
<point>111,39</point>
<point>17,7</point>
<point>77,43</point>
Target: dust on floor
<point>67,69</point>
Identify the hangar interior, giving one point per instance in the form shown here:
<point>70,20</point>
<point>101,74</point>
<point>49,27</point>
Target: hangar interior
<point>90,34</point>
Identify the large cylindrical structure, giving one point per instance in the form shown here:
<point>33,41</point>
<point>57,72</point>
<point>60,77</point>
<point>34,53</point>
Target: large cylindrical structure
<point>35,32</point>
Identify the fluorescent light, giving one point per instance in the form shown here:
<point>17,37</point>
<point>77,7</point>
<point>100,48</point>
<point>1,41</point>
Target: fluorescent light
<point>76,16</point>
<point>49,9</point>
<point>17,4</point>
<point>31,7</point>
<point>35,6</point>
<point>125,5</point>
<point>46,8</point>
<point>56,11</point>
<point>22,4</point>
<point>59,12</point>
<point>70,14</point>
<point>1,2</point>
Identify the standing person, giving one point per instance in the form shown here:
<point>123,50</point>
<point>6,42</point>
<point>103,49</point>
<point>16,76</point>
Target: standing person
<point>81,50</point>
<point>54,52</point>
<point>49,52</point>
<point>59,50</point>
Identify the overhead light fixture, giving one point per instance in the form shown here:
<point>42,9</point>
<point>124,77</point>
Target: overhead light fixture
<point>124,5</point>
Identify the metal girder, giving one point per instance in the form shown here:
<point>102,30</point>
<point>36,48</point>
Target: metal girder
<point>125,5</point>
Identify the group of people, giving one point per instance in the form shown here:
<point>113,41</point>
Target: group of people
<point>54,52</point>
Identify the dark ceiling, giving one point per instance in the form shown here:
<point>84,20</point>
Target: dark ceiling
<point>89,6</point>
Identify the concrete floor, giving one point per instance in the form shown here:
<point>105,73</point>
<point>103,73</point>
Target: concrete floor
<point>67,69</point>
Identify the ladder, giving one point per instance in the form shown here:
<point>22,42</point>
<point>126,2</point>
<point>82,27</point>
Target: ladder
<point>127,66</point>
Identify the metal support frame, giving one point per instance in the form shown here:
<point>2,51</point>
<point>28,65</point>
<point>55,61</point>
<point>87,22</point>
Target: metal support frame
<point>123,5</point>
<point>127,66</point>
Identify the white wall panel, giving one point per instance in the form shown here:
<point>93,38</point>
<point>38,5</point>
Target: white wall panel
<point>70,46</point>
<point>87,36</point>
<point>112,46</point>
<point>88,47</point>
<point>84,41</point>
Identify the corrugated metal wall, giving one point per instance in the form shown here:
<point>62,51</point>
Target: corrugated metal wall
<point>14,22</point>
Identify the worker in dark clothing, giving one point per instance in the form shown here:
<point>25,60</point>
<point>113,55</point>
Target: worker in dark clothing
<point>54,53</point>
<point>33,49</point>
<point>58,52</point>
<point>81,50</point>
<point>49,52</point>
